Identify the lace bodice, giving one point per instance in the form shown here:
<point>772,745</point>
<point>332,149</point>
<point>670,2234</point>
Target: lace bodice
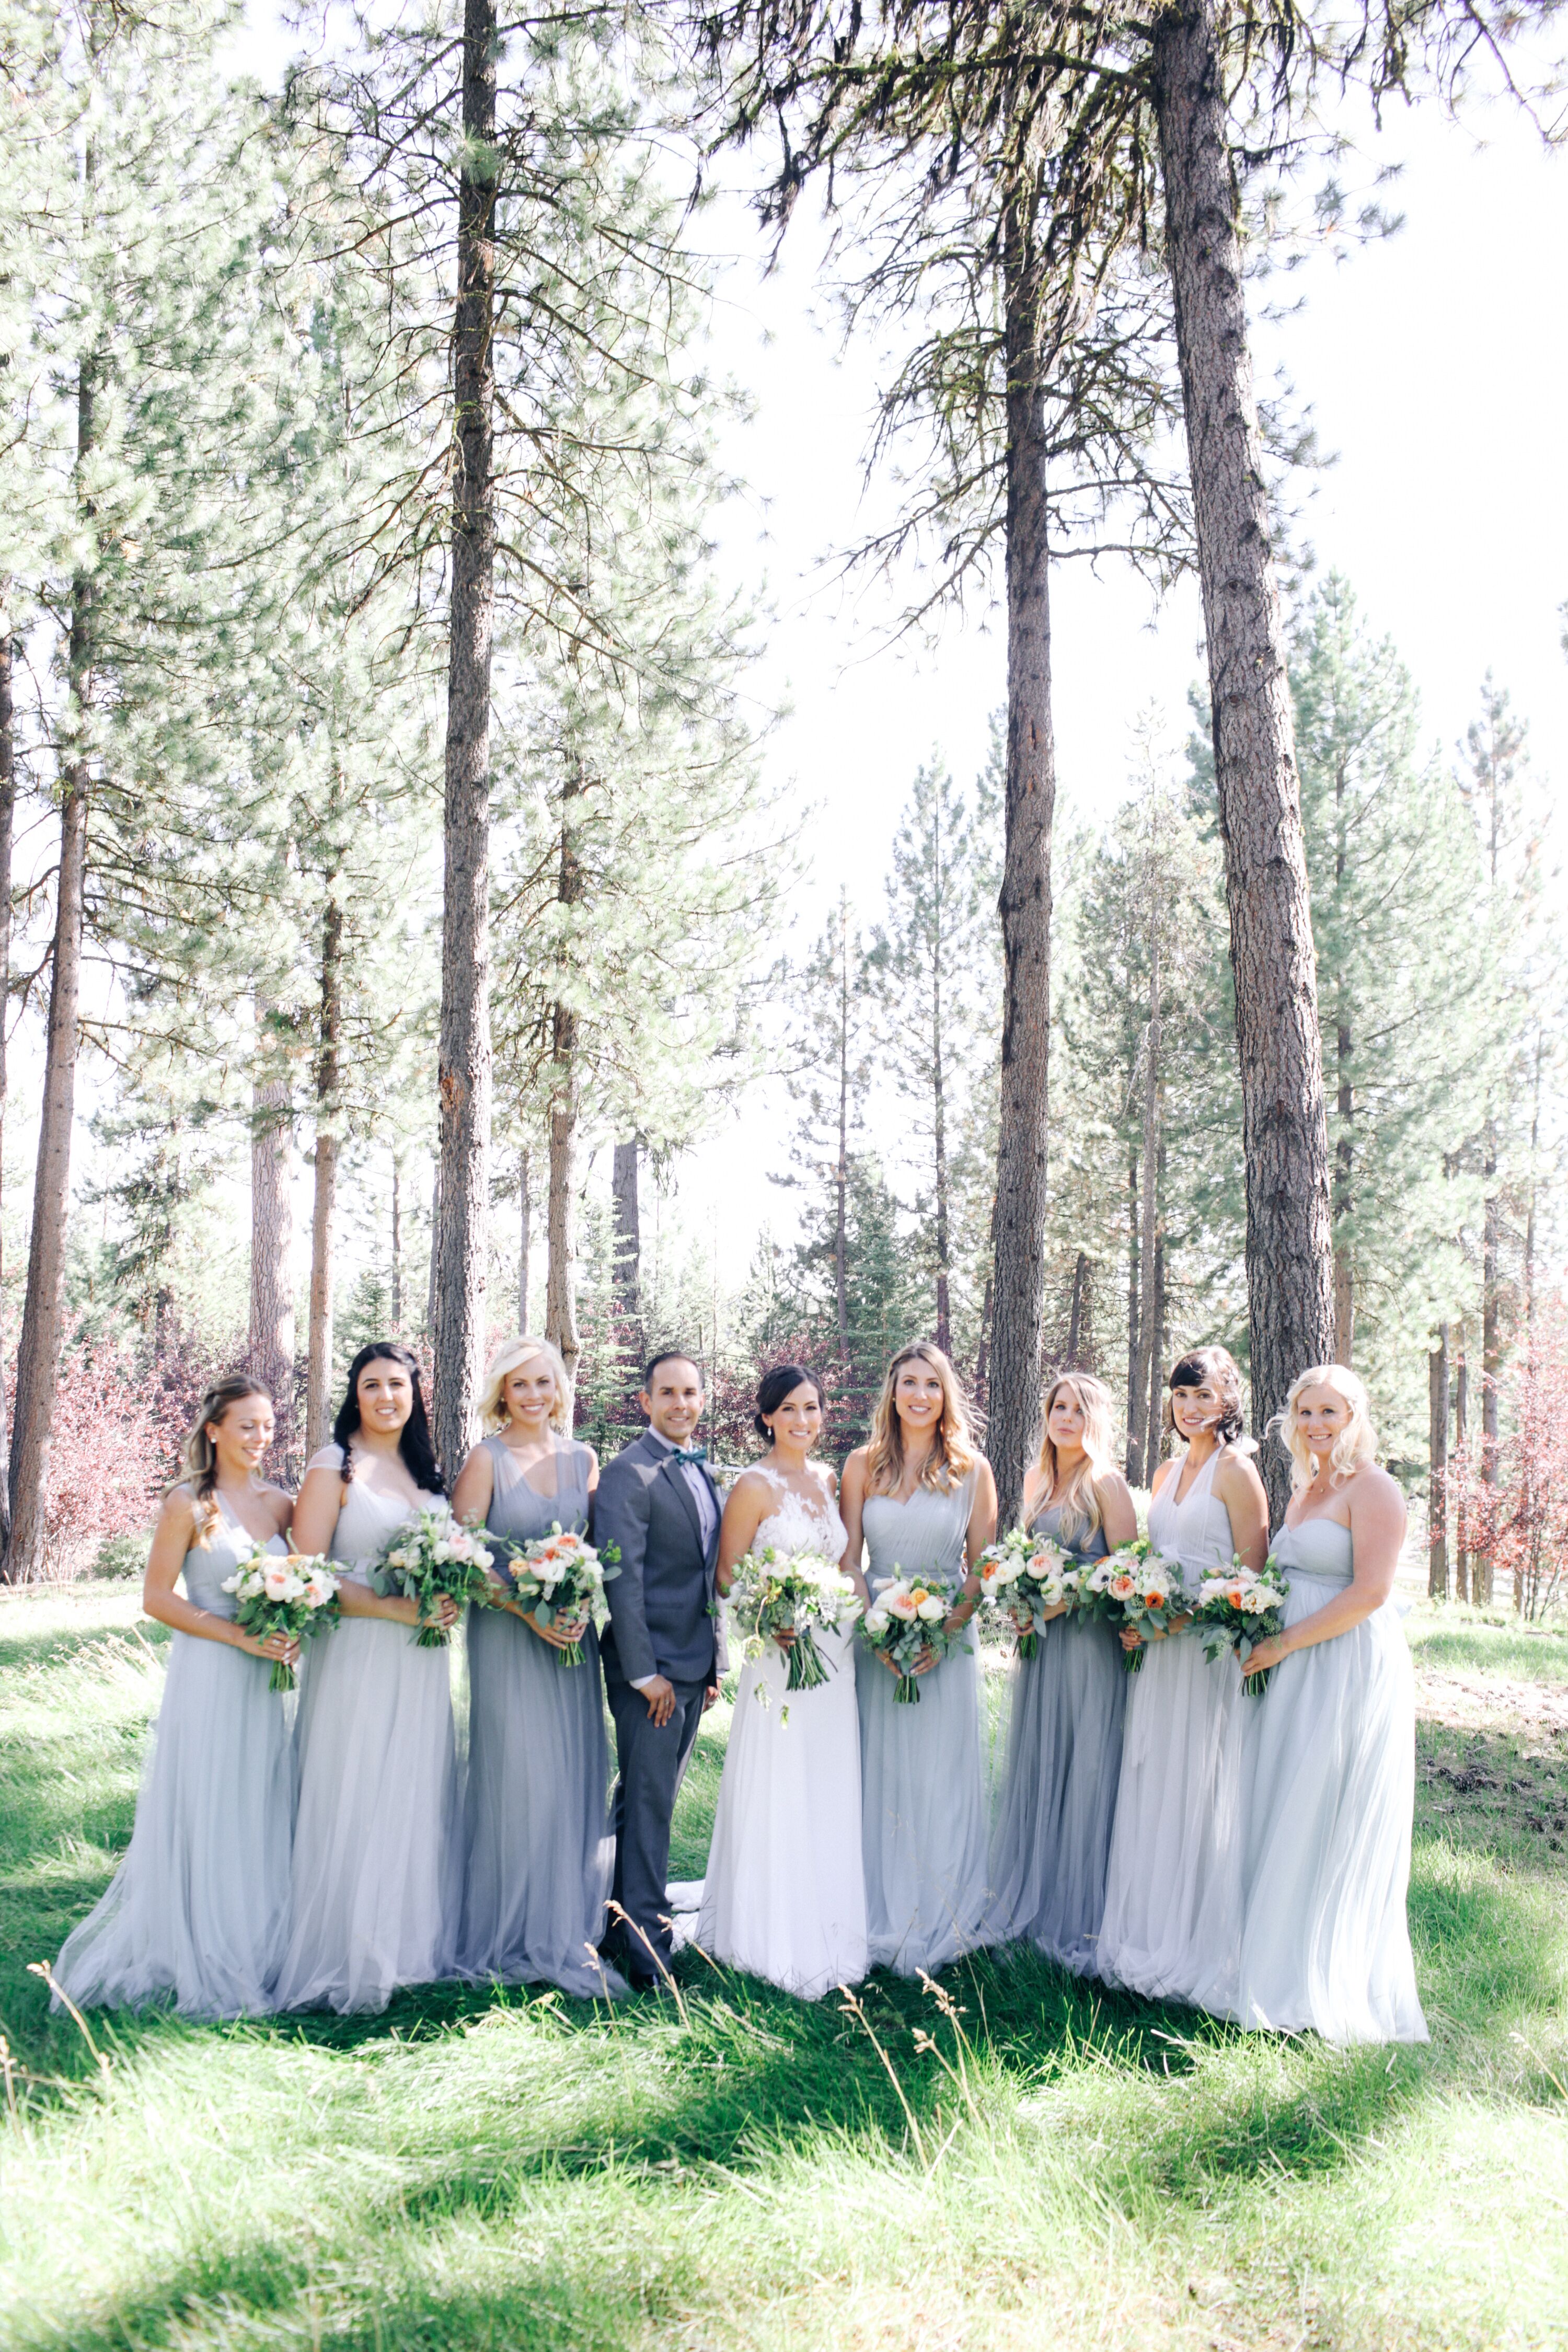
<point>798,1526</point>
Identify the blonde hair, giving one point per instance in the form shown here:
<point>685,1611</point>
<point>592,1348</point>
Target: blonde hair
<point>198,1456</point>
<point>1357,1442</point>
<point>952,1454</point>
<point>1079,1502</point>
<point>508,1358</point>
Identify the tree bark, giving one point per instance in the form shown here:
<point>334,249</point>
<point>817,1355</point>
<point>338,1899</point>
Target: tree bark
<point>1025,904</point>
<point>939,1152</point>
<point>1438,1467</point>
<point>1492,1365</point>
<point>627,1265</point>
<point>1344,1149</point>
<point>1137,1394</point>
<point>465,1039</point>
<point>560,1299</point>
<point>524,1239</point>
<point>431,1281</point>
<point>1290,1258</point>
<point>38,1349</point>
<point>1148,1316</point>
<point>1460,1452</point>
<point>319,1359</point>
<point>271,1337</point>
<point>1080,1317</point>
<point>1156,1440</point>
<point>8,825</point>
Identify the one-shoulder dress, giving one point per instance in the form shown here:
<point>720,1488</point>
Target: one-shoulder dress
<point>376,1878</point>
<point>540,1849</point>
<point>922,1799</point>
<point>1329,1776</point>
<point>1052,1838</point>
<point>198,1912</point>
<point>1172,1926</point>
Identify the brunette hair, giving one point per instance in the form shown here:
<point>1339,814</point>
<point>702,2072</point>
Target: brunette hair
<point>198,1456</point>
<point>773,1388</point>
<point>1219,1368</point>
<point>953,1454</point>
<point>414,1440</point>
<point>1079,1502</point>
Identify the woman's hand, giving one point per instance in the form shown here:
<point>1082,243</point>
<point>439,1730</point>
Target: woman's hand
<point>1132,1639</point>
<point>1057,1609</point>
<point>273,1646</point>
<point>786,1637</point>
<point>1262,1655</point>
<point>406,1612</point>
<point>562,1634</point>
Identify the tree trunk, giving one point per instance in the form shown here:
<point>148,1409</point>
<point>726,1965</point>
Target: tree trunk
<point>38,1349</point>
<point>1080,1317</point>
<point>319,1358</point>
<point>939,1153</point>
<point>524,1239</point>
<point>1025,904</point>
<point>431,1281</point>
<point>1148,1317</point>
<point>627,1262</point>
<point>841,1173</point>
<point>271,1337</point>
<point>1461,1453</point>
<point>560,1298</point>
<point>1344,1151</point>
<point>1137,1395</point>
<point>7,823</point>
<point>987,1302</point>
<point>1438,1467</point>
<point>465,1042</point>
<point>1491,1364</point>
<point>1290,1258</point>
<point>1156,1444</point>
<point>396,1245</point>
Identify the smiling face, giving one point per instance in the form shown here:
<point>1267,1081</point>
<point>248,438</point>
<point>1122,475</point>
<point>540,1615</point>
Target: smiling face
<point>798,1421</point>
<point>918,1397</point>
<point>385,1395</point>
<point>528,1395</point>
<point>1065,1420</point>
<point>242,1439</point>
<point>673,1399</point>
<point>1322,1417</point>
<point>1194,1410</point>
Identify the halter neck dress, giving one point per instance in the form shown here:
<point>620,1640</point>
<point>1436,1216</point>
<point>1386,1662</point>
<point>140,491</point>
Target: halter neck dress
<point>377,1863</point>
<point>538,1841</point>
<point>922,1799</point>
<point>1052,1838</point>
<point>784,1894</point>
<point>1171,1927</point>
<point>1331,1786</point>
<point>198,1912</point>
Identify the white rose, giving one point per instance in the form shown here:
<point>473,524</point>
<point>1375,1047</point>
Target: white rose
<point>932,1611</point>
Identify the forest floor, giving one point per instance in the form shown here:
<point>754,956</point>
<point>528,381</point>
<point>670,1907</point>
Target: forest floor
<point>505,2172</point>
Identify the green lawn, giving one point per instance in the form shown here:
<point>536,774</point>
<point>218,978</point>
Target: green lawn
<point>521,2172</point>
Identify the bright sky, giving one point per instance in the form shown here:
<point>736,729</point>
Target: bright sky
<point>1434,365</point>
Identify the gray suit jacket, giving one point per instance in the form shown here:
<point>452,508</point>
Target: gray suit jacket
<point>661,1602</point>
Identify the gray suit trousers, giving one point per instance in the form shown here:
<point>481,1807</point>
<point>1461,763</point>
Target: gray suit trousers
<point>652,1764</point>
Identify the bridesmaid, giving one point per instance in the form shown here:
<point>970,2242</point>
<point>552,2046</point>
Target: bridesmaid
<point>1064,1751</point>
<point>1331,1748</point>
<point>924,1501</point>
<point>1171,1928</point>
<point>375,1855</point>
<point>539,1846</point>
<point>198,1911</point>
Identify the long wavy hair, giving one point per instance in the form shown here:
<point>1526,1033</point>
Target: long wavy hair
<point>952,1451</point>
<point>414,1440</point>
<point>510,1357</point>
<point>198,1456</point>
<point>1219,1368</point>
<point>1076,1495</point>
<point>1356,1443</point>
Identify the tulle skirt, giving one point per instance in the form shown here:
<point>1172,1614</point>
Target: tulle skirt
<point>540,1850</point>
<point>1052,1838</point>
<point>376,1861</point>
<point>1331,1779</point>
<point>198,1912</point>
<point>923,1814</point>
<point>1171,1927</point>
<point>784,1897</point>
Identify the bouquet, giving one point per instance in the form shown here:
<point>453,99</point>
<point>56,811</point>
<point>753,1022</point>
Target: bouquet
<point>291,1593</point>
<point>1237,1611</point>
<point>771,1596</point>
<point>432,1556</point>
<point>905,1624</point>
<point>1136,1586</point>
<point>562,1575</point>
<point>1025,1575</point>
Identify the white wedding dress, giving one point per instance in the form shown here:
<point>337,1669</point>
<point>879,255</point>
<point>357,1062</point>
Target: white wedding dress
<point>784,1897</point>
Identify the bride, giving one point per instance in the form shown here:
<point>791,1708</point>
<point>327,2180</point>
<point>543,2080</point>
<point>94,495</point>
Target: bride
<point>784,1897</point>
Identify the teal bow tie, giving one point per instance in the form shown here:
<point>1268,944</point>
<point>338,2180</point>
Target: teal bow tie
<point>689,1454</point>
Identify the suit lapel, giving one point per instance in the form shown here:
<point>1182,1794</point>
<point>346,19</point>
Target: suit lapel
<point>688,1499</point>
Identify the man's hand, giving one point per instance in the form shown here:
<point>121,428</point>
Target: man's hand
<point>661,1696</point>
<point>708,1695</point>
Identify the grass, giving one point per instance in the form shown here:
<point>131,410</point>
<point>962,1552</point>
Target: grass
<point>1051,2166</point>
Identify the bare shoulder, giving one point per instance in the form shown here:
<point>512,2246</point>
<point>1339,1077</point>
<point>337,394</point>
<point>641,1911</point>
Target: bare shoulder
<point>853,1478</point>
<point>1237,1474</point>
<point>752,1486</point>
<point>177,1512</point>
<point>1370,1489</point>
<point>280,1502</point>
<point>1165,1471</point>
<point>1111,1486</point>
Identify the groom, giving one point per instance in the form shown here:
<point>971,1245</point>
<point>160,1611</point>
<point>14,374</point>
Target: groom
<point>663,1650</point>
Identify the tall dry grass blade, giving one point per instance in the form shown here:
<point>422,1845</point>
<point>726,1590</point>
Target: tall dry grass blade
<point>58,1993</point>
<point>641,1934</point>
<point>9,2067</point>
<point>853,2008</point>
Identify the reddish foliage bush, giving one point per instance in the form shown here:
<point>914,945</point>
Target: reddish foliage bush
<point>1519,1521</point>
